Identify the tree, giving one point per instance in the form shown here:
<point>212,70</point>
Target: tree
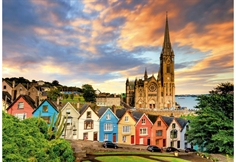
<point>89,93</point>
<point>53,94</point>
<point>66,96</point>
<point>55,83</point>
<point>72,96</point>
<point>213,127</point>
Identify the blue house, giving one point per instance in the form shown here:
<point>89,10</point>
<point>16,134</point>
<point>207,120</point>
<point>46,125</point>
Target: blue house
<point>108,128</point>
<point>46,109</point>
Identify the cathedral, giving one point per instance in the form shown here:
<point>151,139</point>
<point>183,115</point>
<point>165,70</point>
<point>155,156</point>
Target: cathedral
<point>151,92</point>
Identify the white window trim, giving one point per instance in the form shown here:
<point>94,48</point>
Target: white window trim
<point>126,129</point>
<point>105,137</point>
<point>141,132</point>
<point>20,116</point>
<point>108,127</point>
<point>126,118</point>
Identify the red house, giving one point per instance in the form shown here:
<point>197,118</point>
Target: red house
<point>142,128</point>
<point>22,107</point>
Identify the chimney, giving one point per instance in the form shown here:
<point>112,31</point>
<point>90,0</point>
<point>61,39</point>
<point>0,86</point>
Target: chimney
<point>114,109</point>
<point>78,106</point>
<point>13,84</point>
<point>58,100</point>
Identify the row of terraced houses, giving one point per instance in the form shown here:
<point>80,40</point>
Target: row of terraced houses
<point>122,126</point>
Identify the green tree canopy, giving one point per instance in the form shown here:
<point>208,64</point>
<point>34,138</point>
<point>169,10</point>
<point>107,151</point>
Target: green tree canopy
<point>213,126</point>
<point>27,141</point>
<point>89,93</point>
<point>53,94</point>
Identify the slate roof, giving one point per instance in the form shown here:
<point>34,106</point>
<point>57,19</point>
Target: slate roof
<point>182,122</point>
<point>27,98</point>
<point>4,94</point>
<point>83,108</point>
<point>120,112</point>
<point>101,111</point>
<point>50,102</point>
<point>153,118</point>
<point>168,120</point>
<point>136,115</point>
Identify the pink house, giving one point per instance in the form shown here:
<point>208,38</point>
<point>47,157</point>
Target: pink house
<point>142,128</point>
<point>22,107</point>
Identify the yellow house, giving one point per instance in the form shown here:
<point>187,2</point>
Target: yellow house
<point>126,129</point>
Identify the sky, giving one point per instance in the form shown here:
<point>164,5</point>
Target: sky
<point>104,42</point>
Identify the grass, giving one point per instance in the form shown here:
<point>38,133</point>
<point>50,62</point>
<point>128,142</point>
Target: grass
<point>171,159</point>
<point>74,100</point>
<point>123,159</point>
<point>138,153</point>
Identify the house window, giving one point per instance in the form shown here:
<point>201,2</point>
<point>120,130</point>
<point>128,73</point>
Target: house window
<point>46,118</point>
<point>150,106</point>
<point>68,111</point>
<point>143,131</point>
<point>20,116</point>
<point>108,127</point>
<point>172,143</point>
<point>124,138</point>
<point>4,87</point>
<point>143,121</point>
<point>126,118</point>
<point>173,133</point>
<point>74,132</point>
<point>126,129</point>
<point>164,142</point>
<point>159,133</point>
<point>173,125</point>
<point>105,137</point>
<point>159,123</point>
<point>187,128</point>
<point>69,120</point>
<point>20,105</point>
<point>88,124</point>
<point>88,114</point>
<point>185,136</point>
<point>45,108</point>
<point>108,117</point>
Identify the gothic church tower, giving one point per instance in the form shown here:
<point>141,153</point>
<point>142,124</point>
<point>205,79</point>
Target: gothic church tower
<point>151,92</point>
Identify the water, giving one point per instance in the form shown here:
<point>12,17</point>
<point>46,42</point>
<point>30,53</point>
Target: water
<point>189,102</point>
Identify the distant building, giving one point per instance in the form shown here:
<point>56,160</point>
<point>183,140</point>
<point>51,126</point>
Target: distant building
<point>107,99</point>
<point>155,92</point>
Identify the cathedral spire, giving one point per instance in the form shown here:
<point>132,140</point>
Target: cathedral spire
<point>145,74</point>
<point>166,44</point>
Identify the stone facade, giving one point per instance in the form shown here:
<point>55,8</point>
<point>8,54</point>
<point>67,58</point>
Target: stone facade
<point>155,92</point>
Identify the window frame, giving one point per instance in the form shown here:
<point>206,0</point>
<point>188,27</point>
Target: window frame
<point>126,129</point>
<point>142,132</point>
<point>108,127</point>
<point>126,118</point>
<point>20,105</point>
<point>89,114</point>
<point>45,107</point>
<point>159,133</point>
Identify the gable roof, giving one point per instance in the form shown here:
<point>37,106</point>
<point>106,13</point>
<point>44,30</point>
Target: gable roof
<point>102,110</point>
<point>68,103</point>
<point>8,82</point>
<point>167,119</point>
<point>129,113</point>
<point>84,108</point>
<point>182,122</point>
<point>153,118</point>
<point>137,115</point>
<point>108,109</point>
<point>120,112</point>
<point>6,95</point>
<point>27,98</point>
<point>50,102</point>
<point>142,117</point>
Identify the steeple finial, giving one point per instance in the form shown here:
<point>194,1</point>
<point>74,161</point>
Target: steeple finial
<point>167,44</point>
<point>145,74</point>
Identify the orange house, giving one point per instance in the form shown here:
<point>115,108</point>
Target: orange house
<point>159,130</point>
<point>22,107</point>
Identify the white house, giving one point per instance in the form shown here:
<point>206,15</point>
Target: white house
<point>71,131</point>
<point>173,134</point>
<point>183,136</point>
<point>88,124</point>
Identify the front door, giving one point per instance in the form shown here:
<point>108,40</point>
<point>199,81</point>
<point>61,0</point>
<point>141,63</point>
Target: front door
<point>132,139</point>
<point>141,141</point>
<point>114,137</point>
<point>148,141</point>
<point>95,136</point>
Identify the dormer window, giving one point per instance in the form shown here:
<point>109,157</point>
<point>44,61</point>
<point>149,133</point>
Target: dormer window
<point>45,108</point>
<point>159,123</point>
<point>20,105</point>
<point>68,111</point>
<point>173,125</point>
<point>88,114</point>
<point>143,121</point>
<point>108,117</point>
<point>4,87</point>
<point>126,118</point>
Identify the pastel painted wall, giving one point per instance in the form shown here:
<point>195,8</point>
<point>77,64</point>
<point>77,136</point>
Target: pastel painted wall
<point>127,137</point>
<point>174,140</point>
<point>27,109</point>
<point>108,133</point>
<point>159,140</point>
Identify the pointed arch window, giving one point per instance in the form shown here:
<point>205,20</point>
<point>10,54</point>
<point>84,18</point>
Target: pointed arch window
<point>168,68</point>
